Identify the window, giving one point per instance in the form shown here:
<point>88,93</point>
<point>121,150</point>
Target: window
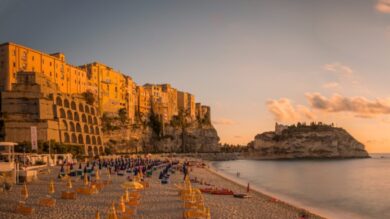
<point>15,52</point>
<point>14,64</point>
<point>50,63</point>
<point>33,58</point>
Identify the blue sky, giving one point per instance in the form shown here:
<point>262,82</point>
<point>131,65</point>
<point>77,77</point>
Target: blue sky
<point>239,57</point>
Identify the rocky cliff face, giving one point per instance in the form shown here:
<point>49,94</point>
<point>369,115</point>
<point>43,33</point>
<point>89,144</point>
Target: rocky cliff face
<point>138,138</point>
<point>307,142</point>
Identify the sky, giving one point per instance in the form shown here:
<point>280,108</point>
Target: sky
<point>254,62</point>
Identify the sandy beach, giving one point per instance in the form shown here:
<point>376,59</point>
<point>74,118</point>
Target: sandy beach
<point>157,201</point>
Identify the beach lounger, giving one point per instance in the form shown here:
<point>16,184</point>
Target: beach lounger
<point>68,195</point>
<point>22,209</point>
<point>47,202</point>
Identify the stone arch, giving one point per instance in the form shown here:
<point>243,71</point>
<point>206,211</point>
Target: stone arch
<point>92,111</point>
<point>91,130</point>
<point>59,101</point>
<point>81,140</point>
<point>78,127</point>
<point>64,125</point>
<point>99,141</point>
<point>90,119</point>
<point>76,116</point>
<point>94,140</point>
<point>84,118</point>
<point>101,150</point>
<point>81,107</point>
<point>95,151</point>
<point>90,152</point>
<point>73,105</point>
<point>69,115</point>
<point>86,129</point>
<point>62,113</point>
<point>97,131</point>
<point>95,121</point>
<point>86,108</point>
<point>72,127</point>
<point>74,138</point>
<point>66,137</point>
<point>66,103</point>
<point>87,139</point>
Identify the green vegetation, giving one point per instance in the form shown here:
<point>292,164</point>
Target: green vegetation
<point>123,116</point>
<point>156,123</point>
<point>89,97</point>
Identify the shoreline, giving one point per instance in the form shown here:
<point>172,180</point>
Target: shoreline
<point>258,191</point>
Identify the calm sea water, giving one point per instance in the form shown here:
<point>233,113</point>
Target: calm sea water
<point>357,188</point>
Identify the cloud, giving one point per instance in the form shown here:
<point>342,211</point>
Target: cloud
<point>331,85</point>
<point>223,121</point>
<point>360,106</point>
<point>383,6</point>
<point>284,111</point>
<point>339,68</point>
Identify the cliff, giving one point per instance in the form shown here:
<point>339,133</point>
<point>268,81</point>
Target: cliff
<point>315,141</point>
<point>195,137</point>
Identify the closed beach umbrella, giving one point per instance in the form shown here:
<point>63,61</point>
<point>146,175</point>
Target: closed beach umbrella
<point>247,188</point>
<point>122,205</point>
<point>112,212</point>
<point>127,195</point>
<point>97,215</point>
<point>24,192</point>
<point>69,184</point>
<point>86,179</point>
<point>51,187</point>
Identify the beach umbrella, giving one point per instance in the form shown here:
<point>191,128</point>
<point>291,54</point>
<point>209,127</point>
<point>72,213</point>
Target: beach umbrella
<point>97,175</point>
<point>80,166</point>
<point>97,215</point>
<point>122,205</point>
<point>127,199</point>
<point>112,212</point>
<point>132,185</point>
<point>69,183</point>
<point>51,187</point>
<point>247,188</point>
<point>24,192</point>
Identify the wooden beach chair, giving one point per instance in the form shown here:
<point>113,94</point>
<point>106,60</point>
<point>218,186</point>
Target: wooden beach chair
<point>68,195</point>
<point>47,202</point>
<point>22,209</point>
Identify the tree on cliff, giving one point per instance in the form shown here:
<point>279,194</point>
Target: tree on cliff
<point>123,117</point>
<point>89,97</point>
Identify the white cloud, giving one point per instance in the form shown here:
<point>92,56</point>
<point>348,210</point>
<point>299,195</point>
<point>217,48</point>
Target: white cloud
<point>284,111</point>
<point>331,85</point>
<point>383,6</point>
<point>339,68</point>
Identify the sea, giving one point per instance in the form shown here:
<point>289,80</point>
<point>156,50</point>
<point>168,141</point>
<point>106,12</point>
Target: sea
<point>352,188</point>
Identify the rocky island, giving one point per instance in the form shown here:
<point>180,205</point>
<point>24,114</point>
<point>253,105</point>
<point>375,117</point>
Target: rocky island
<point>301,141</point>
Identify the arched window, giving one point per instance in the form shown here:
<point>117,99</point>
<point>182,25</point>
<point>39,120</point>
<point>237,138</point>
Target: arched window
<point>62,113</point>
<point>73,105</point>
<point>86,129</point>
<point>90,152</point>
<point>97,131</point>
<point>90,119</point>
<point>66,138</point>
<point>92,111</point>
<point>95,121</point>
<point>76,116</point>
<point>66,103</point>
<point>81,141</point>
<point>70,115</point>
<point>81,107</point>
<point>72,127</point>
<point>74,138</point>
<point>86,109</point>
<point>78,127</point>
<point>91,131</point>
<point>95,151</point>
<point>64,125</point>
<point>59,101</point>
<point>93,140</point>
<point>87,139</point>
<point>99,140</point>
<point>84,118</point>
<point>100,150</point>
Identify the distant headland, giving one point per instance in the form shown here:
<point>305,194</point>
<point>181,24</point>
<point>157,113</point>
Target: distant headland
<point>302,141</point>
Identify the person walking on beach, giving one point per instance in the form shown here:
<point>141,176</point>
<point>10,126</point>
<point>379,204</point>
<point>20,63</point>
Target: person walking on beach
<point>185,170</point>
